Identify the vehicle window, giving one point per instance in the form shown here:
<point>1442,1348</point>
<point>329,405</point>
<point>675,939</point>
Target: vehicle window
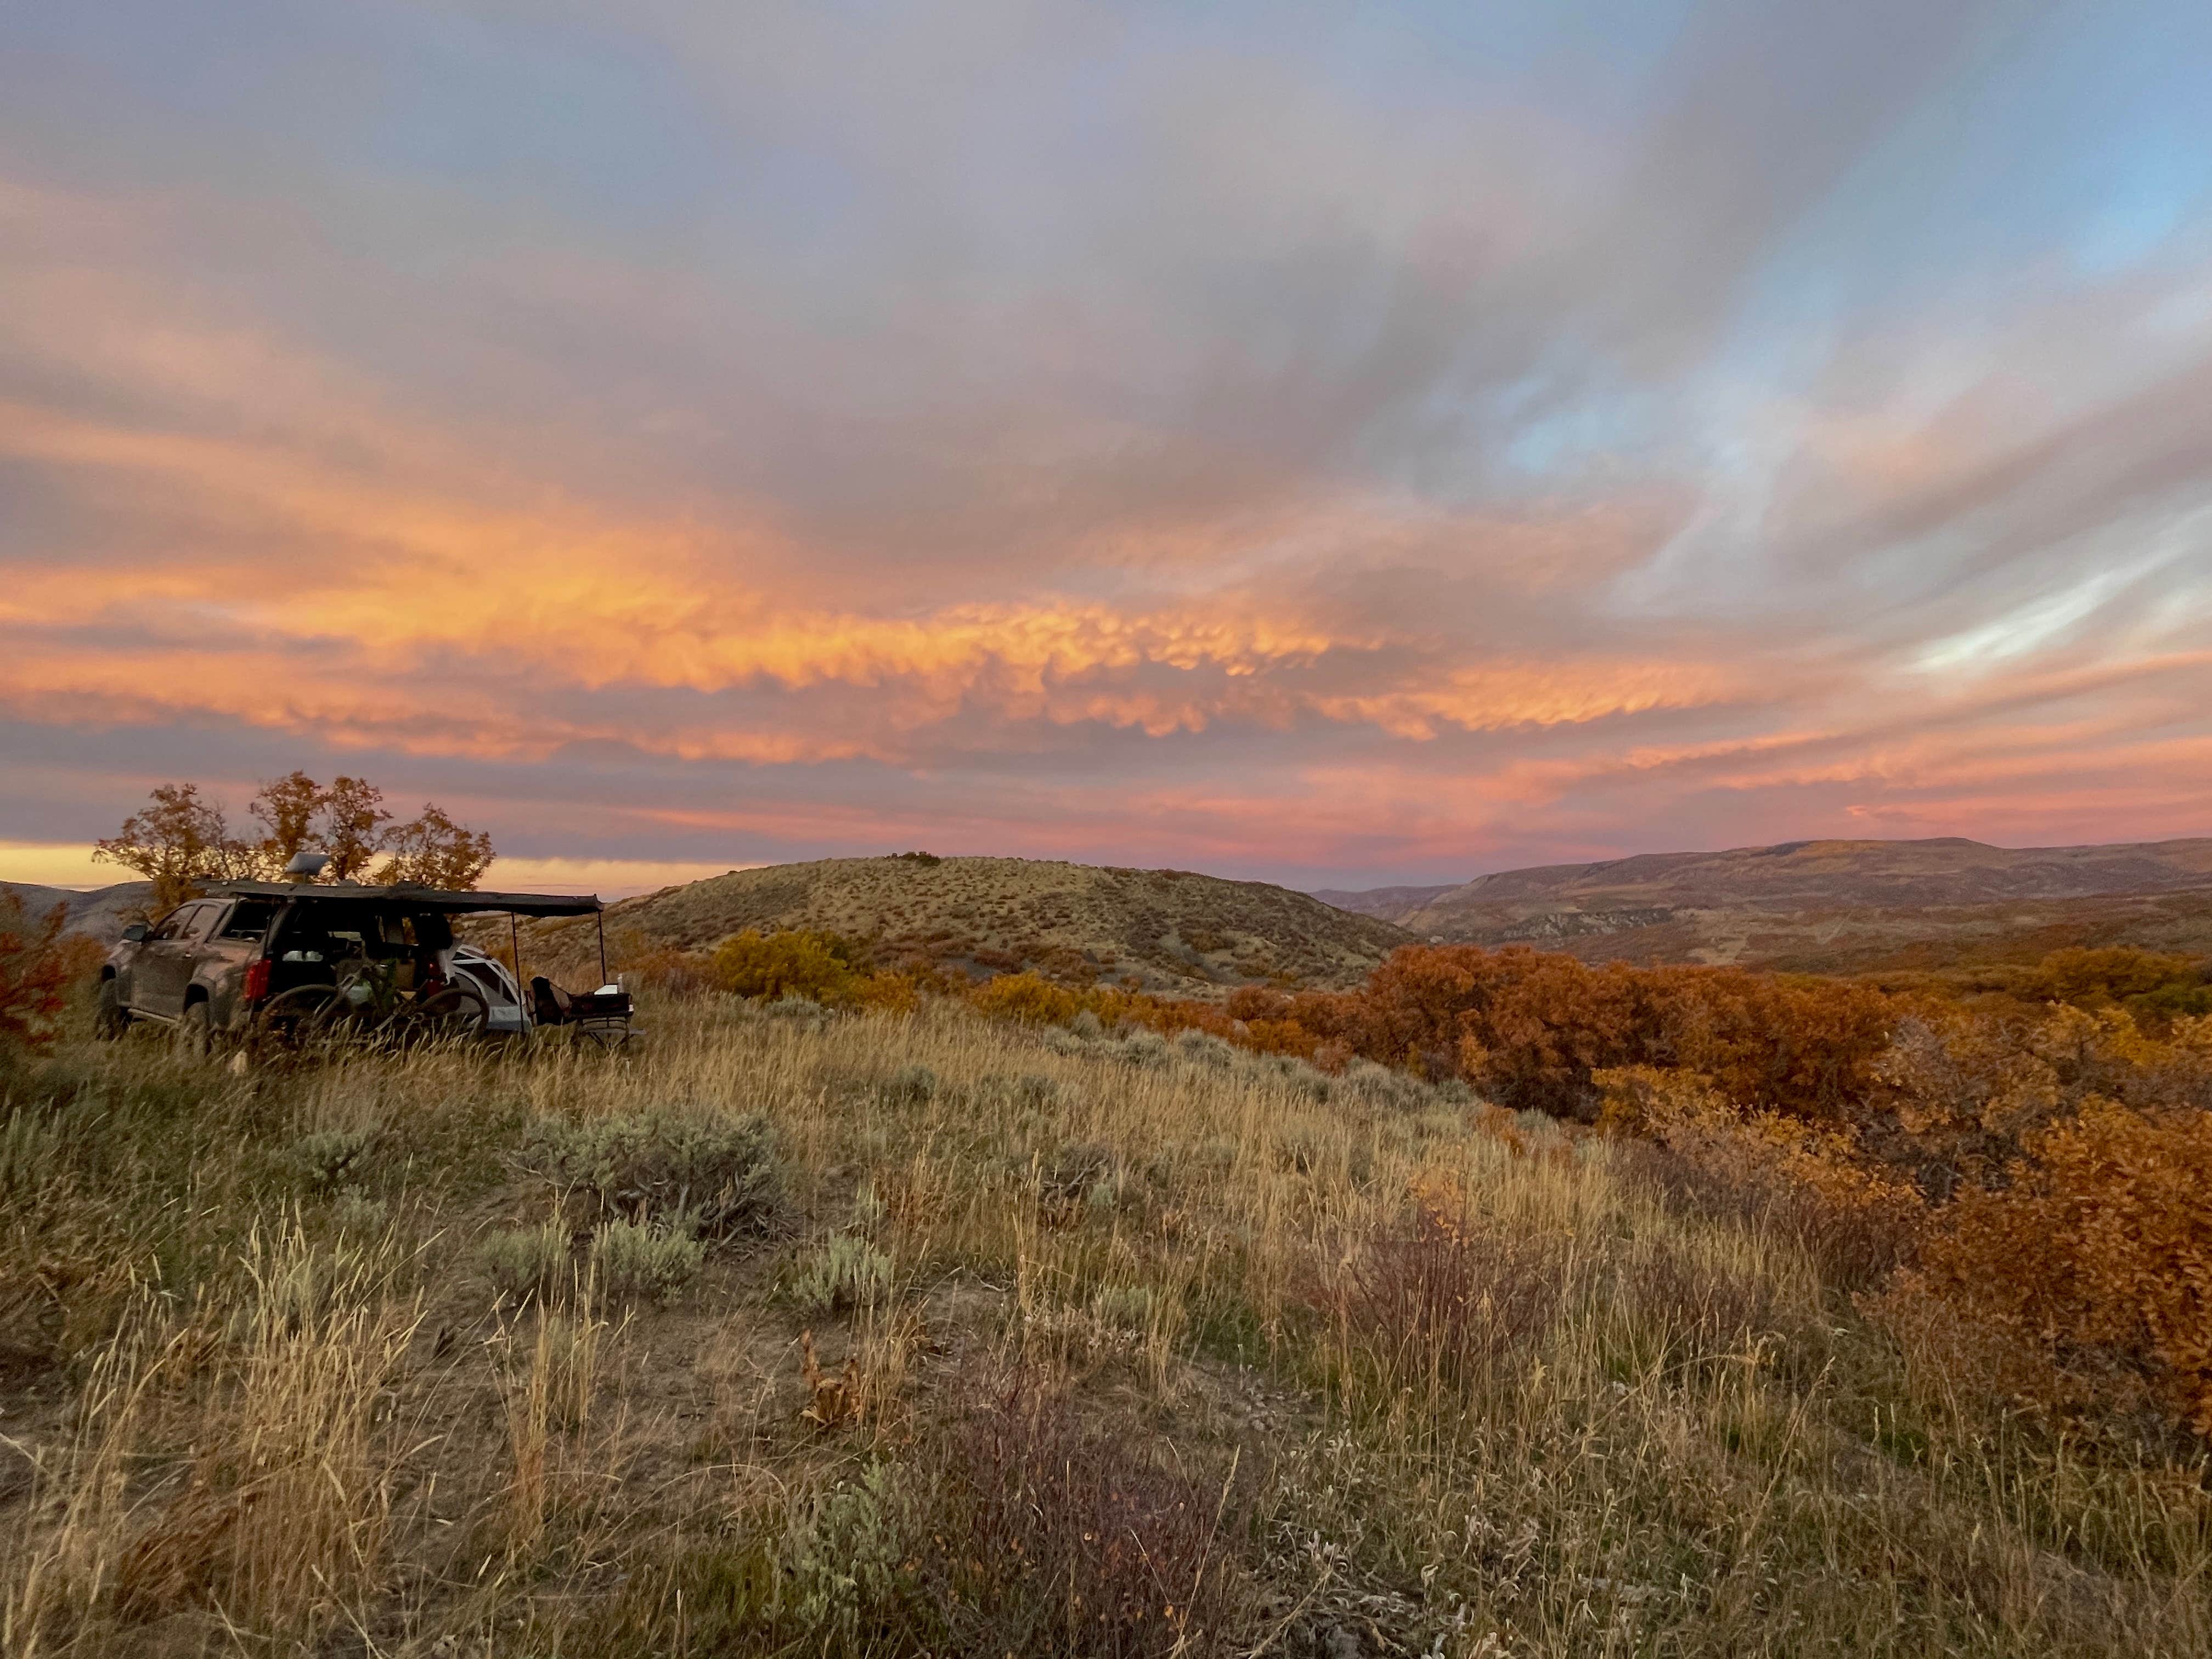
<point>174,925</point>
<point>202,921</point>
<point>250,919</point>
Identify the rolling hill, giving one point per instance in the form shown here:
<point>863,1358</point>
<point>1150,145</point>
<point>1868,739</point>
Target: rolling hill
<point>1813,906</point>
<point>1830,906</point>
<point>101,913</point>
<point>1161,930</point>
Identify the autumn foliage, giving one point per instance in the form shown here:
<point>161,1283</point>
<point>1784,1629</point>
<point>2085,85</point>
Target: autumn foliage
<point>799,963</point>
<point>38,965</point>
<point>2015,1185</point>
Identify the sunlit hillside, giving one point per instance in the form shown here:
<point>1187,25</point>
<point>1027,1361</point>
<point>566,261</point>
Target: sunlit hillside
<point>1160,930</point>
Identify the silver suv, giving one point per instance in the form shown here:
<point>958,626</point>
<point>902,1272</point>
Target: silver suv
<point>189,970</point>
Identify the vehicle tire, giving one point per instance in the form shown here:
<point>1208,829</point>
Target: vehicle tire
<point>110,1019</point>
<point>196,1030</point>
<point>455,1014</point>
<point>302,1018</point>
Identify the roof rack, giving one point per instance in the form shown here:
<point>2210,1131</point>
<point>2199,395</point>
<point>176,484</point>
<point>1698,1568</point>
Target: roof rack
<point>409,895</point>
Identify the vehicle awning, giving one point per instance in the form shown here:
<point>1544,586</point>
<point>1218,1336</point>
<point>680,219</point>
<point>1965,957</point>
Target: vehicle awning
<point>406,898</point>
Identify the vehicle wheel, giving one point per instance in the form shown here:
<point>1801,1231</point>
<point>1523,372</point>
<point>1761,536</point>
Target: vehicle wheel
<point>111,1019</point>
<point>456,1014</point>
<point>296,1019</point>
<point>196,1031</point>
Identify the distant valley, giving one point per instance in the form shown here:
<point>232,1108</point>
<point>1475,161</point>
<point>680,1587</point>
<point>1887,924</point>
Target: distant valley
<point>1826,906</point>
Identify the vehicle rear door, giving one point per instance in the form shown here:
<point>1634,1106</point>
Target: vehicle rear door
<point>233,938</point>
<point>164,964</point>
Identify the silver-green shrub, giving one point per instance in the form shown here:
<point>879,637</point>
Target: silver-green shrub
<point>648,1262</point>
<point>527,1263</point>
<point>719,1173</point>
<point>843,1273</point>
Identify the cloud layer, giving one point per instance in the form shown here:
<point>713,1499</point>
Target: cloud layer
<point>1321,446</point>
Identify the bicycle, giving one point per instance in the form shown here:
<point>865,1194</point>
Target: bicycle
<point>367,1005</point>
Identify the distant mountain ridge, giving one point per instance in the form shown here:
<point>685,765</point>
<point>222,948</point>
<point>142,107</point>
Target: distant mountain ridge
<point>100,912</point>
<point>1828,905</point>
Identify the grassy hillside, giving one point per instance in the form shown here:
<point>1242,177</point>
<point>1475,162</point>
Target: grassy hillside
<point>1157,929</point>
<point>1017,1341</point>
<point>1831,906</point>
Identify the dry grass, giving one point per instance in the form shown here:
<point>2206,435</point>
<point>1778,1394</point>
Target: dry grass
<point>1164,1329</point>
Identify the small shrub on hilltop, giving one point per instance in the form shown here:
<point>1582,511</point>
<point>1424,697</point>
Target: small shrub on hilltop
<point>721,1173</point>
<point>330,1159</point>
<point>841,1564</point>
<point>910,1085</point>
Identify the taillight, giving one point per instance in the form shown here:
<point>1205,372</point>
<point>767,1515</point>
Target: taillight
<point>257,979</point>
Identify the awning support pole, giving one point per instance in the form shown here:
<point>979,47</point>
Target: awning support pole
<point>603,947</point>
<point>514,937</point>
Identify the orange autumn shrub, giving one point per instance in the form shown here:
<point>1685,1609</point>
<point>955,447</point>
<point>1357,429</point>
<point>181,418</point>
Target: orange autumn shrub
<point>890,993</point>
<point>2095,1255</point>
<point>1530,1029</point>
<point>1858,1218</point>
<point>1965,1092</point>
<point>1029,999</point>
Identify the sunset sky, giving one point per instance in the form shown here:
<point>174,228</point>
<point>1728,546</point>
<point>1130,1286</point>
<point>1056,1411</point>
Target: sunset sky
<point>1329,444</point>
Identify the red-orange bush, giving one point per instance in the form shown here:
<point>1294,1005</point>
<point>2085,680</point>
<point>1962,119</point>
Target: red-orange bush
<point>1530,1028</point>
<point>37,968</point>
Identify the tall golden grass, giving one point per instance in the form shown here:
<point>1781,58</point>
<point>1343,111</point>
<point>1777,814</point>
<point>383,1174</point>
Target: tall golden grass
<point>1275,1361</point>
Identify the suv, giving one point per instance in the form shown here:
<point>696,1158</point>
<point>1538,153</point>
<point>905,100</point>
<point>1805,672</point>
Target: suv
<point>189,970</point>
<point>302,957</point>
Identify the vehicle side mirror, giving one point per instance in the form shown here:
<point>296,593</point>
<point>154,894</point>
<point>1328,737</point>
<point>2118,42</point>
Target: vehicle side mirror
<point>135,933</point>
